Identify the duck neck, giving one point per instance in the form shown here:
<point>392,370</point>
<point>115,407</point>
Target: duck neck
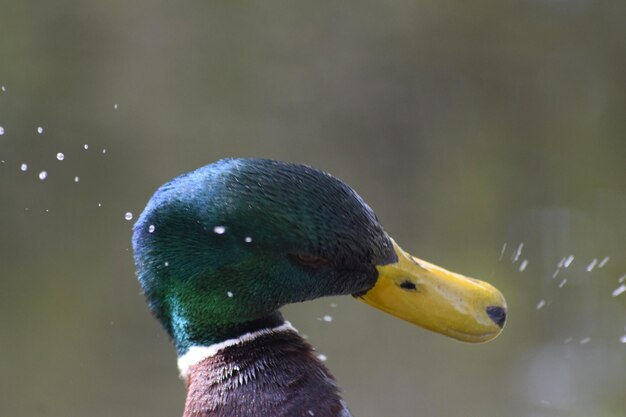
<point>190,329</point>
<point>267,372</point>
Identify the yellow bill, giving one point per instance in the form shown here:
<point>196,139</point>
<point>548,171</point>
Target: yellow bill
<point>439,300</point>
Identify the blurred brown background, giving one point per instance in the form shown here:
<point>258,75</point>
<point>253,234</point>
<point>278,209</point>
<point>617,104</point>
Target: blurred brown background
<point>465,125</point>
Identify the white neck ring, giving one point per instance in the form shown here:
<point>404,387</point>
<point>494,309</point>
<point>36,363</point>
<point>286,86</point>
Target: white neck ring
<point>197,354</point>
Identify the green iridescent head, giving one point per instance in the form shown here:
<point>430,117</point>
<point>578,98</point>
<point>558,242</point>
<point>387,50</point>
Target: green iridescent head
<point>219,250</point>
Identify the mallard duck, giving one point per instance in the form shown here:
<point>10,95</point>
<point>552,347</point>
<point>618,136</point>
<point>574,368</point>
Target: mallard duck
<point>221,249</point>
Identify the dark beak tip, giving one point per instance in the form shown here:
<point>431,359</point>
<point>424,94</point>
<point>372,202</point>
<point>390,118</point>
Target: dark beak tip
<point>497,315</point>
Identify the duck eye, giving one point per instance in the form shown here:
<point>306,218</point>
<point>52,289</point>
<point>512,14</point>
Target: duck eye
<point>309,260</point>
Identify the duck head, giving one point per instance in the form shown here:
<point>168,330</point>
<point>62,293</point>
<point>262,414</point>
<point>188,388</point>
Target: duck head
<point>219,250</point>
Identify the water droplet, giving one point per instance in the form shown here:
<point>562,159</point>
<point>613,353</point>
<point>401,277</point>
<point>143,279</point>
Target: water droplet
<point>562,283</point>
<point>311,413</point>
<point>623,339</point>
<point>115,106</point>
<point>585,340</point>
<point>333,305</point>
<point>40,130</point>
<point>619,290</point>
<point>523,265</point>
<point>1,131</point>
<point>43,175</point>
<point>622,278</point>
<point>151,228</point>
<point>327,318</point>
<point>248,239</point>
<point>502,251</point>
<point>3,88</point>
<point>85,146</point>
<point>568,261</point>
<point>568,340</point>
<point>128,215</point>
<point>322,357</point>
<point>166,263</point>
<point>104,151</point>
<point>24,167</point>
<point>518,252</point>
<point>561,263</point>
<point>540,304</point>
<point>220,230</point>
<point>603,262</point>
<point>555,273</point>
<point>76,179</point>
<point>60,156</point>
<point>592,265</point>
<point>229,294</point>
<point>99,204</point>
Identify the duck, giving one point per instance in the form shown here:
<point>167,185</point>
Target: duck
<point>219,250</point>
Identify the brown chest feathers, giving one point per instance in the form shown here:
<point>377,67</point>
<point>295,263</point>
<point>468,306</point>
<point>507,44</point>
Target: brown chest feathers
<point>274,375</point>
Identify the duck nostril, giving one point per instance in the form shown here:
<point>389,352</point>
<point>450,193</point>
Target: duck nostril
<point>497,314</point>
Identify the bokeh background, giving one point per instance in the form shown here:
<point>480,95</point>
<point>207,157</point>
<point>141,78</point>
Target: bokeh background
<point>470,127</point>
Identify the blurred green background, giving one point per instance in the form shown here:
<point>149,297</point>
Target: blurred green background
<point>465,125</point>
